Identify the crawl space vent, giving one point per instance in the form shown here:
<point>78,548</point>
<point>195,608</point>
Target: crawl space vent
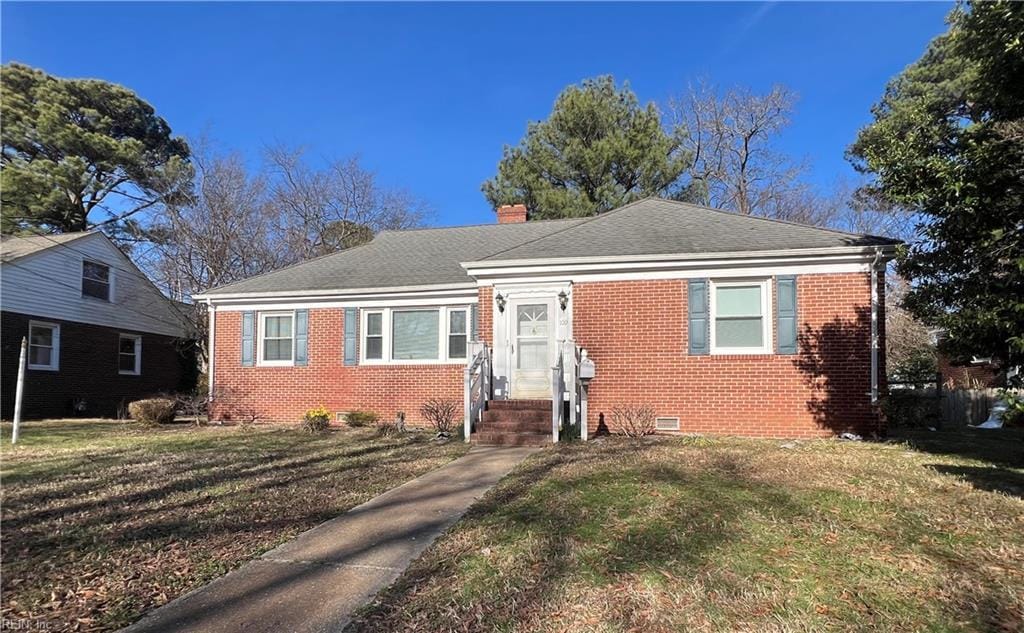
<point>666,424</point>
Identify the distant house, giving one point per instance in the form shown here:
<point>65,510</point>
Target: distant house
<point>719,323</point>
<point>100,334</point>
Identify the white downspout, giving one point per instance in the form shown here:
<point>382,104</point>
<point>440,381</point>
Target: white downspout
<point>210,316</point>
<point>874,325</point>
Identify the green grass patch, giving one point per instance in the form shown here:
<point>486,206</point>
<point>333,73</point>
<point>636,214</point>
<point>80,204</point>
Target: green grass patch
<point>920,534</point>
<point>104,520</point>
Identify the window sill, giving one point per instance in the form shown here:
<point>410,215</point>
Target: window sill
<point>42,368</point>
<point>129,373</point>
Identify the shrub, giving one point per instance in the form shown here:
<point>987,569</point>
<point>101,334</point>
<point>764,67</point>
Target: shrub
<point>316,420</point>
<point>910,408</point>
<point>152,410</point>
<point>361,418</point>
<point>394,427</point>
<point>441,412</point>
<point>633,420</point>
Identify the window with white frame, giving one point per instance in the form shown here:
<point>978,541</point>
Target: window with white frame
<point>129,354</point>
<point>373,347</point>
<point>277,338</point>
<point>415,335</point>
<point>458,334</point>
<point>43,346</point>
<point>95,280</point>
<point>740,322</point>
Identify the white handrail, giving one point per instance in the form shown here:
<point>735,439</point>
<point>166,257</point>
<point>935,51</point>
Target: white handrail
<point>476,387</point>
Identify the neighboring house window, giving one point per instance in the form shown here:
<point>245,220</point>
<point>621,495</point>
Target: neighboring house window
<point>95,280</point>
<point>43,346</point>
<point>277,341</point>
<point>129,354</point>
<point>457,334</point>
<point>739,317</point>
<point>373,345</point>
<point>415,335</point>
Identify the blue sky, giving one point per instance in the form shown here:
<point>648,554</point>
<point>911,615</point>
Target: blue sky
<point>428,94</point>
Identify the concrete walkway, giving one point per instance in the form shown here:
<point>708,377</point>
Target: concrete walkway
<point>314,582</point>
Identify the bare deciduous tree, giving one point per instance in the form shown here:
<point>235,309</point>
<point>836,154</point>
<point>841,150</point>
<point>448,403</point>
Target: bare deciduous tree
<point>237,222</point>
<point>731,136</point>
<point>340,206</point>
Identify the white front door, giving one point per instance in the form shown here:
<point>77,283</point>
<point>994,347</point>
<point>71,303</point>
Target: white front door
<point>533,346</point>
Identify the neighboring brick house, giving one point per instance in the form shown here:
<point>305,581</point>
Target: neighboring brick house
<point>99,333</point>
<point>720,323</point>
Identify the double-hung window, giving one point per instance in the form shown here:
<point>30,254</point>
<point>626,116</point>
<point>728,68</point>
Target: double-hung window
<point>740,317</point>
<point>95,280</point>
<point>277,338</point>
<point>374,345</point>
<point>129,355</point>
<point>43,346</point>
<point>415,335</point>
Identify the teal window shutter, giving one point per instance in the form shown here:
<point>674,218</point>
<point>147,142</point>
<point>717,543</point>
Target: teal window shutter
<point>248,338</point>
<point>785,315</point>
<point>351,314</point>
<point>301,337</point>
<point>474,323</point>
<point>700,319</point>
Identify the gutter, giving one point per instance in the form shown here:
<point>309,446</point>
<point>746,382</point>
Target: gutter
<point>888,249</point>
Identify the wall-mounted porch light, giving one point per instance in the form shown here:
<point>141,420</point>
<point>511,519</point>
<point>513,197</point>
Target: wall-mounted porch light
<point>500,300</point>
<point>563,300</point>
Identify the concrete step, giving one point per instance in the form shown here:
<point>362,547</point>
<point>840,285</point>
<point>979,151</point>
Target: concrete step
<point>514,426</point>
<point>536,405</point>
<point>526,416</point>
<point>510,439</point>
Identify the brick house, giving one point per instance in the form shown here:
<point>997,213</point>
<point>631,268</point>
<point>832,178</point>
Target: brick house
<point>718,322</point>
<point>99,333</point>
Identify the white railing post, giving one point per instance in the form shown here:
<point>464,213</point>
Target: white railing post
<point>467,409</point>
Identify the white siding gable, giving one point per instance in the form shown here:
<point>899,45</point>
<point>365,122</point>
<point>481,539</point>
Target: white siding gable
<point>48,284</point>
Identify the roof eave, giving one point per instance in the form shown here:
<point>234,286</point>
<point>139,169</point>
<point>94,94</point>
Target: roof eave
<point>334,292</point>
<point>888,251</point>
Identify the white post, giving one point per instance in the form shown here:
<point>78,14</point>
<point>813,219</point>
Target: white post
<point>583,413</point>
<point>20,391</point>
<point>467,407</point>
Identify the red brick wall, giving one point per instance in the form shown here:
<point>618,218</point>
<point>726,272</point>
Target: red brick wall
<point>485,315</point>
<point>285,393</point>
<point>636,333</point>
<point>88,370</point>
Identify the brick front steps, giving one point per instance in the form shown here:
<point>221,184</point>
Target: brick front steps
<point>514,423</point>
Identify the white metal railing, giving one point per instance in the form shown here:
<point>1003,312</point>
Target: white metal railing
<point>476,386</point>
<point>565,385</point>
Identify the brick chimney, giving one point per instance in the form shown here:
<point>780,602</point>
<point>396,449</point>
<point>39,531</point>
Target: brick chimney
<point>511,213</point>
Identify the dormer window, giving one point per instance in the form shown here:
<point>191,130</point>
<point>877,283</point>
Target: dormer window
<point>95,280</point>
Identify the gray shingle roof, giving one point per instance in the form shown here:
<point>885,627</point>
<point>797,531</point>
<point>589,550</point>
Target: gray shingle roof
<point>664,227</point>
<point>13,247</point>
<point>652,226</point>
<point>419,257</point>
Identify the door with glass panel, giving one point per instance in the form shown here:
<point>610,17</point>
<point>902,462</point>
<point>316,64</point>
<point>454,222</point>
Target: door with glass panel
<point>533,344</point>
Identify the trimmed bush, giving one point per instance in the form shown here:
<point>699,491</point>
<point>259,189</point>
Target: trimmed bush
<point>441,414</point>
<point>316,420</point>
<point>361,418</point>
<point>388,428</point>
<point>633,421</point>
<point>152,410</point>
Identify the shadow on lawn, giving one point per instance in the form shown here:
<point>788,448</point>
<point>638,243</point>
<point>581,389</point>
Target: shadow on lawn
<point>571,516</point>
<point>992,479</point>
<point>999,447</point>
